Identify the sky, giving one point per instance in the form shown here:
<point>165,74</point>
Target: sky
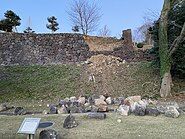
<point>116,14</point>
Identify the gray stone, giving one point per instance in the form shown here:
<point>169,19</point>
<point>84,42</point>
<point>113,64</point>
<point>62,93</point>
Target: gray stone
<point>99,102</point>
<point>152,112</point>
<point>62,110</point>
<point>123,110</point>
<point>72,99</point>
<point>139,110</point>
<point>172,112</point>
<point>52,109</point>
<point>70,122</point>
<point>49,134</point>
<point>3,107</point>
<point>109,100</point>
<point>19,111</point>
<point>82,100</point>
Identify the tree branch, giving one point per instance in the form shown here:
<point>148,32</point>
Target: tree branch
<point>177,41</point>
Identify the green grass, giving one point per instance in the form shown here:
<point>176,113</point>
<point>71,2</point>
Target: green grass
<point>38,82</point>
<point>131,127</point>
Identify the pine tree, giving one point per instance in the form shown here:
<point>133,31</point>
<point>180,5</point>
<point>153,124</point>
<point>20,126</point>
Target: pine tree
<point>53,25</point>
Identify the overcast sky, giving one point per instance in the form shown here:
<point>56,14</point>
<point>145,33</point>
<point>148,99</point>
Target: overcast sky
<point>116,14</point>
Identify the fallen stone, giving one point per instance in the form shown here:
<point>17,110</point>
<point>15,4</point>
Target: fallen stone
<point>81,100</point>
<point>161,109</point>
<point>139,110</point>
<point>109,100</point>
<point>123,110</point>
<point>19,111</point>
<point>70,122</point>
<point>75,109</point>
<point>134,98</point>
<point>52,109</point>
<point>3,107</point>
<point>94,108</point>
<point>62,102</point>
<point>87,104</point>
<point>73,98</point>
<point>152,112</point>
<point>62,110</point>
<point>96,116</point>
<point>102,108</point>
<point>99,102</point>
<point>118,101</point>
<point>49,134</point>
<point>102,97</point>
<point>172,112</point>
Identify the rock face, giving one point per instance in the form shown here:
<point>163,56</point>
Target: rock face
<point>123,110</point>
<point>70,122</point>
<point>172,112</point>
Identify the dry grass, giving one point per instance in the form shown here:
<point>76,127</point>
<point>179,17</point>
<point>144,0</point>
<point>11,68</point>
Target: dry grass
<point>130,127</point>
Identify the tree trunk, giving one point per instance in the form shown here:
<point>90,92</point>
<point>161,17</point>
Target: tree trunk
<point>165,59</point>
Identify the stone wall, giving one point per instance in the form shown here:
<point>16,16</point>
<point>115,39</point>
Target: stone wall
<point>28,49</point>
<point>63,48</point>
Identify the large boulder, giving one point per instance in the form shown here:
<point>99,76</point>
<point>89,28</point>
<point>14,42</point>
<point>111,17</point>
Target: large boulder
<point>172,112</point>
<point>70,122</point>
<point>123,110</point>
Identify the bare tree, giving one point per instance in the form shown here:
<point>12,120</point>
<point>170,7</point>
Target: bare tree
<point>142,34</point>
<point>104,32</point>
<point>84,14</point>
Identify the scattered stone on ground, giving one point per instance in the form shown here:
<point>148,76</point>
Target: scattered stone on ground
<point>19,111</point>
<point>3,107</point>
<point>53,109</point>
<point>139,110</point>
<point>172,112</point>
<point>152,111</point>
<point>70,122</point>
<point>109,100</point>
<point>124,110</point>
<point>49,134</point>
